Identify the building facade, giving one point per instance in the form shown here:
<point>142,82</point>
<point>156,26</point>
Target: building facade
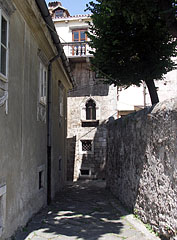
<point>90,103</point>
<point>33,110</point>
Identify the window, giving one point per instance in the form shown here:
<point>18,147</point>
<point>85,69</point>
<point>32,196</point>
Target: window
<point>90,113</point>
<point>61,95</point>
<point>86,145</point>
<point>79,36</point>
<point>85,172</point>
<point>58,13</point>
<point>2,207</point>
<point>43,84</point>
<point>90,110</point>
<point>40,179</point>
<point>61,101</point>
<point>4,28</point>
<point>59,163</point>
<point>4,44</point>
<point>42,87</point>
<point>41,171</point>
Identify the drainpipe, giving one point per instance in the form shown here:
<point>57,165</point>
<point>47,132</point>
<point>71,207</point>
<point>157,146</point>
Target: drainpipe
<point>49,123</point>
<point>48,20</point>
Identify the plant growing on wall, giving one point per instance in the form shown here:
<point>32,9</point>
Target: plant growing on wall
<point>134,41</point>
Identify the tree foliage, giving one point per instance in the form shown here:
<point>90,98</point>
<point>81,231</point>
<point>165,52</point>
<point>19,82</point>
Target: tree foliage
<point>132,40</point>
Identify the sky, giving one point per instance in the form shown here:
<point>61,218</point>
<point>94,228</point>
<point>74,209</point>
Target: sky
<point>74,6</point>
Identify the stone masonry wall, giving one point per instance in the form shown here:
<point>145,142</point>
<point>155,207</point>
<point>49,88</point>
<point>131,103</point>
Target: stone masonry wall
<point>105,98</point>
<point>142,165</point>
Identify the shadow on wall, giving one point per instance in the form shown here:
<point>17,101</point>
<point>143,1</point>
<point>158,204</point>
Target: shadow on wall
<point>141,165</point>
<point>93,89</point>
<point>126,156</point>
<point>86,82</point>
<point>93,163</point>
<point>71,148</point>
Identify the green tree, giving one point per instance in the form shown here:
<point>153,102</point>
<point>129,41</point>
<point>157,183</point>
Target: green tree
<point>133,41</point>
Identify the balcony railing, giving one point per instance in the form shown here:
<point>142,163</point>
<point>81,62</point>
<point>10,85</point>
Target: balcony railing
<point>76,49</point>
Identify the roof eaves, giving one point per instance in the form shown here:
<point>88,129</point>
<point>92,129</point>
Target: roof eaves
<point>54,9</point>
<point>75,17</point>
<point>48,20</point>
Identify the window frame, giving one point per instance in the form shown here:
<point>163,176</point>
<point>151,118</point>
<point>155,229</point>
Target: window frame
<point>61,101</point>
<point>85,175</point>
<point>92,146</point>
<point>4,77</point>
<point>89,123</point>
<point>90,111</point>
<point>79,47</point>
<point>2,208</point>
<point>43,78</point>
<point>41,178</point>
<point>59,11</point>
<point>79,31</point>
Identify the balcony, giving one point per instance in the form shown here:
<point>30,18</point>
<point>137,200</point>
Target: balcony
<point>77,50</point>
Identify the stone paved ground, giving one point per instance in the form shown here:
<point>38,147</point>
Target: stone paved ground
<point>84,211</point>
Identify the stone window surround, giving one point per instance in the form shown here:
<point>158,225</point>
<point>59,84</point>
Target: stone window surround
<point>4,44</point>
<point>7,8</point>
<point>83,108</point>
<point>2,207</point>
<point>42,105</point>
<point>85,175</point>
<point>61,99</point>
<point>41,169</point>
<point>86,152</point>
<point>43,84</point>
<point>4,78</point>
<point>90,110</point>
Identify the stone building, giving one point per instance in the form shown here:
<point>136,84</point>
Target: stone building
<point>33,107</point>
<point>90,103</point>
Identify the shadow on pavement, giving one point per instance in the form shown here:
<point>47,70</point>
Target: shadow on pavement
<point>81,211</point>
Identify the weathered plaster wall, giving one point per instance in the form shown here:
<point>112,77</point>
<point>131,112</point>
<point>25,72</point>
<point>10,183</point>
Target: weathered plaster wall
<point>59,132</point>
<point>23,138</point>
<point>142,164</point>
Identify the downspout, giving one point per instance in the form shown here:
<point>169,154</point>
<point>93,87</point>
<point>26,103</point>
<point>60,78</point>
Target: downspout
<point>49,123</point>
<point>48,20</point>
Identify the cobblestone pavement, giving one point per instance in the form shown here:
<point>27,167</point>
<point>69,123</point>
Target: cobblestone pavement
<point>84,211</point>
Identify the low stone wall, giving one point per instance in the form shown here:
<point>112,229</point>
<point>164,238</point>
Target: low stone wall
<point>142,165</point>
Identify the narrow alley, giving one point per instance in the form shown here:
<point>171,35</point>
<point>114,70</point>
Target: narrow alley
<point>84,210</point>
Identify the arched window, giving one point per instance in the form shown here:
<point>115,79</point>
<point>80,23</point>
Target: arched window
<point>90,110</point>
